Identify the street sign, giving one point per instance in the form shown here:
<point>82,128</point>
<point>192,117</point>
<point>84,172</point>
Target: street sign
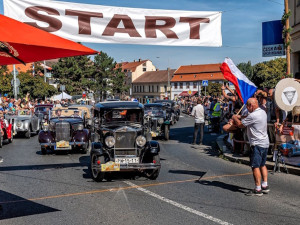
<point>62,87</point>
<point>205,83</point>
<point>190,92</point>
<point>17,82</point>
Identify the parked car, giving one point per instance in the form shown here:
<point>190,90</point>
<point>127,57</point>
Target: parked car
<point>25,122</point>
<point>172,109</point>
<point>43,112</point>
<point>6,131</point>
<point>65,131</point>
<point>121,144</point>
<point>291,148</point>
<point>157,121</point>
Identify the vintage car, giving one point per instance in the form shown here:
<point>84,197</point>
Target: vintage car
<point>172,109</point>
<point>120,142</point>
<point>65,131</point>
<point>44,110</point>
<point>6,131</point>
<point>88,114</point>
<point>156,120</point>
<point>25,122</point>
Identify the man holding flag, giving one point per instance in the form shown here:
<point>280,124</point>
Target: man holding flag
<point>256,123</point>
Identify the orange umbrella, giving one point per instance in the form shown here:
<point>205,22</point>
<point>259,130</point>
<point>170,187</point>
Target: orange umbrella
<point>23,43</point>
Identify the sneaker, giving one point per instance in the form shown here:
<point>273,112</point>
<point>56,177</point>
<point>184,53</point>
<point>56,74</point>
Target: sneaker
<point>265,190</point>
<point>254,192</point>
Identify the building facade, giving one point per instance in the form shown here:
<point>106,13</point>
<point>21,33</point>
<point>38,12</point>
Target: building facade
<point>152,85</point>
<point>134,70</point>
<point>187,80</point>
<point>294,20</point>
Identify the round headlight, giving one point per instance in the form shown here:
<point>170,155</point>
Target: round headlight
<point>19,124</point>
<point>110,141</point>
<point>140,141</point>
<point>160,121</point>
<point>52,126</point>
<point>45,127</point>
<point>80,127</point>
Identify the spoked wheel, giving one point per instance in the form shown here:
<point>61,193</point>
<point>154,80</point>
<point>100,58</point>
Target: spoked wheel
<point>96,167</point>
<point>153,174</point>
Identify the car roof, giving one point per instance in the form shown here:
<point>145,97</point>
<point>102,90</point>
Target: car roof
<point>44,105</point>
<point>153,104</point>
<point>119,104</point>
<point>169,101</point>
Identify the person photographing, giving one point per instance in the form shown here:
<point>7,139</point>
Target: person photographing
<point>256,124</point>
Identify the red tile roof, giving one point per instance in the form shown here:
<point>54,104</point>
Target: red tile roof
<point>198,76</point>
<point>131,65</point>
<point>159,76</point>
<point>205,68</point>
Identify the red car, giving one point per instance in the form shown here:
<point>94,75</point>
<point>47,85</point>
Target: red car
<point>6,132</point>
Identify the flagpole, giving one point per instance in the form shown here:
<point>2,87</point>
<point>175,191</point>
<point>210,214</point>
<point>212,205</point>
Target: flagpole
<point>240,109</point>
<point>287,39</point>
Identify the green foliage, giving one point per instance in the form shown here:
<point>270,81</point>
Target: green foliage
<point>213,89</point>
<point>117,82</point>
<point>268,74</point>
<point>246,69</point>
<point>74,72</point>
<point>5,79</point>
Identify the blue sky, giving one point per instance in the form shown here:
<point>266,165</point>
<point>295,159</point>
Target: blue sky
<point>241,32</point>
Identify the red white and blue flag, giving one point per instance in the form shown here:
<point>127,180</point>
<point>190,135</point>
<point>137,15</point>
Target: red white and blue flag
<point>243,86</point>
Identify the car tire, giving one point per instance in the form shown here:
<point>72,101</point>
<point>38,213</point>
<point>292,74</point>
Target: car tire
<point>44,151</point>
<point>1,141</point>
<point>167,132</point>
<point>28,134</point>
<point>153,174</point>
<point>97,175</point>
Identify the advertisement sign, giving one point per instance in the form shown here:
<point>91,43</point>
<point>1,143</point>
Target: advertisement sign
<point>272,41</point>
<point>107,24</point>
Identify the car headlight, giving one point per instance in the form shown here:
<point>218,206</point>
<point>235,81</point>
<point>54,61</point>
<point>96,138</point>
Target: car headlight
<point>110,141</point>
<point>80,127</point>
<point>160,121</point>
<point>45,127</point>
<point>52,126</point>
<point>140,141</point>
<point>19,124</point>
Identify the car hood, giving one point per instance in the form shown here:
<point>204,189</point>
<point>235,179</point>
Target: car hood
<point>126,128</point>
<point>69,120</point>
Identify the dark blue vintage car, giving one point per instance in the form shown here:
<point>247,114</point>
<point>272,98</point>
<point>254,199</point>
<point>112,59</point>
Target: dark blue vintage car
<point>120,141</point>
<point>65,131</point>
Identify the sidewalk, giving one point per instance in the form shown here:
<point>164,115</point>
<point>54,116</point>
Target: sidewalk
<point>245,160</point>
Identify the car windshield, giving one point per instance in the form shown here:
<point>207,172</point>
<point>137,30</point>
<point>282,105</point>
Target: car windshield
<point>154,111</point>
<point>42,108</point>
<point>67,113</point>
<point>23,112</point>
<point>121,115</point>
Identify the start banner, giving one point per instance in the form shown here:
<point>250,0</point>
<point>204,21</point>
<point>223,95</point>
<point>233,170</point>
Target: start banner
<point>107,24</point>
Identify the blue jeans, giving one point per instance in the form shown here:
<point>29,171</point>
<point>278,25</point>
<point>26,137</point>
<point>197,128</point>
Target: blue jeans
<point>258,156</point>
<point>198,126</point>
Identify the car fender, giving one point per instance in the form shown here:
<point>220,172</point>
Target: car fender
<point>8,131</point>
<point>46,137</point>
<point>152,147</point>
<point>97,148</point>
<point>81,136</point>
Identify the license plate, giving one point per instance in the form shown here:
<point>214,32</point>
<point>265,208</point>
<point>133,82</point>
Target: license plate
<point>110,166</point>
<point>127,160</point>
<point>62,144</point>
<point>153,134</point>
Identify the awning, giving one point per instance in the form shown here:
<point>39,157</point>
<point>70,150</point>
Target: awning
<point>186,94</point>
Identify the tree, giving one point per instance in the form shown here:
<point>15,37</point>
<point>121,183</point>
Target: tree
<point>246,68</point>
<point>75,73</point>
<point>5,81</point>
<point>117,80</point>
<point>213,89</point>
<point>268,74</point>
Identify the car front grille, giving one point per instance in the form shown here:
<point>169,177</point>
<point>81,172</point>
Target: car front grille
<point>154,124</point>
<point>125,143</point>
<point>62,131</point>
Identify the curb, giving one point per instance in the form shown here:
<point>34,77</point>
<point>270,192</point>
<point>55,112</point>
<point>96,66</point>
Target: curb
<point>245,160</point>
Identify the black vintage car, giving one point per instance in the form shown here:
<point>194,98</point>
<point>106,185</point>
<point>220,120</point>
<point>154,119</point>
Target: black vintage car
<point>65,131</point>
<point>157,121</point>
<point>173,111</point>
<point>121,143</point>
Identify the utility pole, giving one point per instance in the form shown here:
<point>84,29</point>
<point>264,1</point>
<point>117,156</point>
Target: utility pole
<point>287,38</point>
<point>169,89</point>
<point>45,71</point>
<point>15,82</point>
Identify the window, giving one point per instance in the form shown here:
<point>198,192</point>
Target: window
<point>143,88</point>
<point>152,88</point>
<point>134,88</point>
<point>195,85</point>
<point>144,69</point>
<point>149,90</point>
<point>166,87</point>
<point>187,85</point>
<point>181,85</point>
<point>144,64</point>
<point>175,85</point>
<point>157,88</point>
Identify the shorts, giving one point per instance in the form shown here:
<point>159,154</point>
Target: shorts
<point>258,156</point>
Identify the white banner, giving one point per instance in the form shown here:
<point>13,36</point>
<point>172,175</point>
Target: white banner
<point>106,24</point>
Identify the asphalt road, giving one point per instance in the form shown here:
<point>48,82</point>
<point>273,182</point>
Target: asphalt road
<point>194,187</point>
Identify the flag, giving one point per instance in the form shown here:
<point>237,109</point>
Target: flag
<point>243,86</point>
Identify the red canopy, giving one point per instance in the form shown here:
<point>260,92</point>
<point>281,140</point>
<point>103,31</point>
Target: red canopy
<point>186,94</point>
<point>23,43</point>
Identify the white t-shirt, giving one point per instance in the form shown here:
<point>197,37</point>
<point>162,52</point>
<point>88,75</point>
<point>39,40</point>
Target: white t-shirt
<point>256,123</point>
<point>198,113</point>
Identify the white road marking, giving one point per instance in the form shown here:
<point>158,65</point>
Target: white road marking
<point>171,202</point>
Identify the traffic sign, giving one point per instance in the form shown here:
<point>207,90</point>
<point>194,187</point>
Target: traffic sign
<point>62,87</point>
<point>205,83</point>
<point>190,92</point>
<point>17,82</point>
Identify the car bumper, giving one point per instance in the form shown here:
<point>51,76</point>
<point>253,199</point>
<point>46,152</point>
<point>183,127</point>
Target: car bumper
<point>71,144</point>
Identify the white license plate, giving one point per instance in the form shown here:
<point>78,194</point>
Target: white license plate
<point>127,160</point>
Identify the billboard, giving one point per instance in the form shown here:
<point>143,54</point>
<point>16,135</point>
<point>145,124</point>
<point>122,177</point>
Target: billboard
<point>272,41</point>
